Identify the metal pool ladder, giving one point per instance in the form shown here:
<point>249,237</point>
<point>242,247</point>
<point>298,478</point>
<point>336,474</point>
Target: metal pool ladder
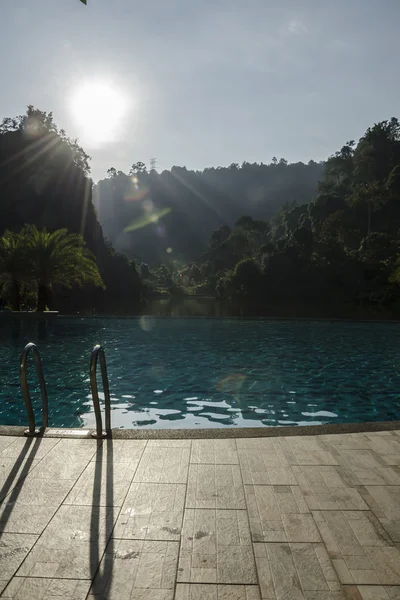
<point>97,352</point>
<point>25,390</point>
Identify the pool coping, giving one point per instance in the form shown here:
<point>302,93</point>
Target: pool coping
<point>221,433</point>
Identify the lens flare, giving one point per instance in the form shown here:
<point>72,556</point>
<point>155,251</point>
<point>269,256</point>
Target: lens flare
<point>147,323</point>
<point>146,220</point>
<point>232,384</point>
<point>136,191</point>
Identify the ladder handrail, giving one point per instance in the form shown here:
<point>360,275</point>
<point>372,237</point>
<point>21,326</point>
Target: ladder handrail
<point>25,389</point>
<point>98,351</point>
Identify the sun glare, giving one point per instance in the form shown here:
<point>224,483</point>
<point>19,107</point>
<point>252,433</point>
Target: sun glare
<point>98,108</point>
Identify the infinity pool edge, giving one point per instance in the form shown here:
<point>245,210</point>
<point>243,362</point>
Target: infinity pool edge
<point>222,433</point>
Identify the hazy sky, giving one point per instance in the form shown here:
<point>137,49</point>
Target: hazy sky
<point>204,83</point>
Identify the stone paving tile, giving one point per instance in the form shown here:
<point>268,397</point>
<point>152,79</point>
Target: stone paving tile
<point>386,563</point>
<point>384,443</point>
<point>22,518</point>
<point>71,545</point>
<point>326,596</point>
<point>3,583</point>
<point>277,514</point>
<point>346,441</point>
<point>169,443</point>
<point>261,469</point>
<point>216,548</point>
<point>12,472</point>
<point>22,447</point>
<point>361,550</point>
<point>366,467</point>
<point>218,452</point>
<point>120,451</point>
<point>388,499</point>
<point>295,571</point>
<point>306,451</point>
<point>6,440</point>
<point>300,528</point>
<point>270,449</point>
<point>31,503</point>
<point>215,486</point>
<point>360,459</point>
<point>372,592</point>
<point>77,449</point>
<point>35,588</point>
<point>392,528</point>
<point>163,465</point>
<point>102,484</point>
<point>391,459</point>
<point>325,489</point>
<point>382,476</point>
<point>138,594</point>
<point>13,549</point>
<point>40,492</point>
<point>67,459</point>
<point>385,502</point>
<point>152,511</point>
<point>351,592</point>
<point>209,591</point>
<point>134,569</point>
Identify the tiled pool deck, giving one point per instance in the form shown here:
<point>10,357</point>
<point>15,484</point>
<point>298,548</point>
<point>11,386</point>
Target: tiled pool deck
<point>272,518</point>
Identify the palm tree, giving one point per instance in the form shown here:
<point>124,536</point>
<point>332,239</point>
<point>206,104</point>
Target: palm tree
<point>14,267</point>
<point>59,258</point>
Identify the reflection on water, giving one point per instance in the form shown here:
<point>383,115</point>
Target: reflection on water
<point>198,306</point>
<point>187,307</point>
<point>208,372</point>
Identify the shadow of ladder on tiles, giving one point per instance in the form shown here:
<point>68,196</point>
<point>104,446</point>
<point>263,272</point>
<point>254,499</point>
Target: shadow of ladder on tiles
<point>101,566</point>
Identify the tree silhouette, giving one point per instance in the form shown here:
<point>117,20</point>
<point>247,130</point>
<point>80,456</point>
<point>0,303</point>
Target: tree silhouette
<point>46,260</point>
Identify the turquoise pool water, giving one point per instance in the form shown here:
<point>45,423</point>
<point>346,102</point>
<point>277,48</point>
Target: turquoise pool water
<point>199,372</point>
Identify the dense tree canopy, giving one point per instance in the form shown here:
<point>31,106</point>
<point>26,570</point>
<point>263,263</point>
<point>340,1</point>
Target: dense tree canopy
<point>340,248</point>
<point>256,235</point>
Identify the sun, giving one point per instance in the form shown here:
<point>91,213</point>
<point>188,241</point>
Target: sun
<point>98,109</point>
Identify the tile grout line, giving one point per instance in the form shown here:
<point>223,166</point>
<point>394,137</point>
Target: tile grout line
<point>182,522</point>
<point>248,522</point>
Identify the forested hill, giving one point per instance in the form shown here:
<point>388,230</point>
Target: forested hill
<point>259,236</point>
<point>339,251</point>
<point>158,217</point>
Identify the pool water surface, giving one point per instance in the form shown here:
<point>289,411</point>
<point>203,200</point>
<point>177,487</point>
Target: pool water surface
<point>206,372</point>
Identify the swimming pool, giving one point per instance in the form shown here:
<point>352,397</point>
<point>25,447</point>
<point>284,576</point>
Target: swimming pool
<point>206,372</point>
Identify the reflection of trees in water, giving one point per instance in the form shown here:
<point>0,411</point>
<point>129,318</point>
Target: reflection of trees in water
<point>187,307</point>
